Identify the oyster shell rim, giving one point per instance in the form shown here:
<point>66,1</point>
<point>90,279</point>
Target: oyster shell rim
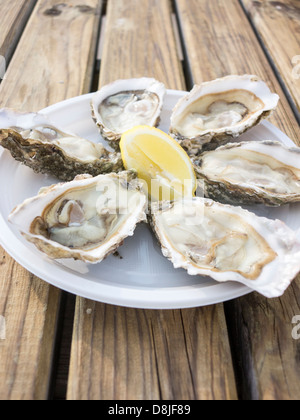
<point>57,251</point>
<point>285,273</point>
<point>112,88</point>
<point>239,194</point>
<point>31,152</point>
<point>209,139</point>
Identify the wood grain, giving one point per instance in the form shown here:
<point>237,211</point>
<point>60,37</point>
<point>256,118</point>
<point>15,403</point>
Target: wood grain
<point>264,350</point>
<point>278,25</point>
<point>219,40</point>
<point>52,62</point>
<point>140,38</point>
<point>16,13</point>
<point>30,312</point>
<point>123,353</point>
<point>59,43</point>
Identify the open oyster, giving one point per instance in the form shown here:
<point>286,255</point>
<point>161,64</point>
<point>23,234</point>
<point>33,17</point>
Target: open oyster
<point>124,104</point>
<point>217,111</point>
<point>227,243</point>
<point>264,172</point>
<point>33,140</point>
<point>86,219</point>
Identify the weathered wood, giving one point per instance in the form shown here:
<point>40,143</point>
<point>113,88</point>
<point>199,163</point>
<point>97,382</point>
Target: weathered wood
<point>278,25</point>
<point>15,14</point>
<point>122,353</point>
<point>59,44</point>
<point>266,354</point>
<point>140,39</point>
<point>52,62</point>
<point>30,312</point>
<point>219,40</point>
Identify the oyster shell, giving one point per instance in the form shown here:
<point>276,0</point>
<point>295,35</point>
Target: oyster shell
<point>124,104</point>
<point>217,111</point>
<point>86,219</point>
<point>264,172</point>
<point>227,243</point>
<point>33,140</point>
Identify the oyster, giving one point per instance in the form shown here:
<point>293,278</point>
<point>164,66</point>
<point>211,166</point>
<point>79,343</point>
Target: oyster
<point>86,219</point>
<point>124,104</point>
<point>264,172</point>
<point>217,111</point>
<point>227,243</point>
<point>33,140</point>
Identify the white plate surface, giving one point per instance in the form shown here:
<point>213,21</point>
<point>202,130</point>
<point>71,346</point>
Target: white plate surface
<point>141,277</point>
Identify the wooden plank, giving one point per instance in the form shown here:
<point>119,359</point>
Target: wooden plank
<point>264,349</point>
<point>278,25</point>
<point>217,45</point>
<point>141,41</point>
<point>16,14</point>
<point>30,311</point>
<point>57,40</point>
<point>122,353</point>
<point>219,40</point>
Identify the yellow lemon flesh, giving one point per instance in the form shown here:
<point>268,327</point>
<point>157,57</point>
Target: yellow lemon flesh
<point>160,161</point>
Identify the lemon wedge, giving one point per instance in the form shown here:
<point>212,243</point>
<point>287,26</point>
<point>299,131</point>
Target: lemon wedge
<point>160,161</point>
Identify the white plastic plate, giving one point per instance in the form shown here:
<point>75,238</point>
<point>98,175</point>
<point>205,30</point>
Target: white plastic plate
<point>140,277</point>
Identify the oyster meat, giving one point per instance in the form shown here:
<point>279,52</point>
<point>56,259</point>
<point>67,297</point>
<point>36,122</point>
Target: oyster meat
<point>34,141</point>
<point>264,172</point>
<point>85,219</point>
<point>124,104</point>
<point>227,243</point>
<point>217,111</point>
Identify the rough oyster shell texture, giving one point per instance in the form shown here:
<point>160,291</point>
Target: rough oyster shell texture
<point>123,104</point>
<point>227,243</point>
<point>263,172</point>
<point>86,219</point>
<point>215,112</point>
<point>34,141</point>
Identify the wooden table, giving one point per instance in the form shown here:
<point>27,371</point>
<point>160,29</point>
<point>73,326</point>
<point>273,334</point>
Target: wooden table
<point>58,346</point>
